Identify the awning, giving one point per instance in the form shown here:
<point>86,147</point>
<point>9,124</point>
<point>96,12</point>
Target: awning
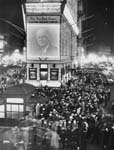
<point>18,90</point>
<point>39,99</point>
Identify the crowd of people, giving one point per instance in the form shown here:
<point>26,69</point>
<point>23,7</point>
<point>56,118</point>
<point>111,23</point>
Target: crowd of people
<point>77,112</point>
<point>11,76</point>
<point>74,114</point>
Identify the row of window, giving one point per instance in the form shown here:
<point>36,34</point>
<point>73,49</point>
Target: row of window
<point>43,74</point>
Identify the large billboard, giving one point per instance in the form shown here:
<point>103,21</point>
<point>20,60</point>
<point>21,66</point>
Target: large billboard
<point>43,39</point>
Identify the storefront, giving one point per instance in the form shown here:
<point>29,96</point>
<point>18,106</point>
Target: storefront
<point>16,100</point>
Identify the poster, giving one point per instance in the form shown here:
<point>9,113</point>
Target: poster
<point>32,73</point>
<point>53,74</point>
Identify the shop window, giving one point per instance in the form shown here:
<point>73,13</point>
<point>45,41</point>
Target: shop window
<point>14,108</point>
<point>14,111</point>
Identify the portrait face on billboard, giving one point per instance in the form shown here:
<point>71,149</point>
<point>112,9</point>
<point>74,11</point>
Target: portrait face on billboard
<point>43,41</point>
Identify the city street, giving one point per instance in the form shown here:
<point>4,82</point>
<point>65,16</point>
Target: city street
<point>56,75</point>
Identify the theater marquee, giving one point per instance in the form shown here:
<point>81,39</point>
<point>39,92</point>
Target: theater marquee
<point>43,33</point>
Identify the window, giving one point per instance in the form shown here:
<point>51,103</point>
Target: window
<point>43,72</point>
<point>43,66</point>
<point>15,108</point>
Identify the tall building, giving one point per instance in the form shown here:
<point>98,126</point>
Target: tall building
<point>2,42</point>
<point>80,46</point>
<point>57,21</point>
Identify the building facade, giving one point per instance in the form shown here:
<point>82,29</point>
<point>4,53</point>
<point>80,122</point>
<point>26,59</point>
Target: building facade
<point>58,20</point>
<point>2,43</point>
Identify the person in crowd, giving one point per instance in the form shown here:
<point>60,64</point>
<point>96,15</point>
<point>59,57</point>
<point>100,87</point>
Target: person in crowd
<point>34,135</point>
<point>54,139</point>
<point>26,137</point>
<point>37,110</point>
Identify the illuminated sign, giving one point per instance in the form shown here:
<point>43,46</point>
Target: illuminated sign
<point>42,66</point>
<point>43,8</point>
<point>33,1</point>
<point>72,5</point>
<point>15,100</point>
<point>43,19</point>
<point>43,41</point>
<point>40,1</point>
<point>70,19</point>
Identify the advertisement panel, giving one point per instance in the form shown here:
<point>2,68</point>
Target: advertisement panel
<point>54,74</point>
<point>43,39</point>
<point>32,73</point>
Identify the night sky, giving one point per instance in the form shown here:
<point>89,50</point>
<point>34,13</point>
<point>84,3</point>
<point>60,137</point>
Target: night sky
<point>101,22</point>
<point>10,10</point>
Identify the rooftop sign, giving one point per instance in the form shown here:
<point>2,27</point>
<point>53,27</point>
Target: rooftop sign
<point>42,1</point>
<point>43,7</point>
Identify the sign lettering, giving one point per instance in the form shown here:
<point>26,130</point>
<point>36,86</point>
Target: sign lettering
<point>43,19</point>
